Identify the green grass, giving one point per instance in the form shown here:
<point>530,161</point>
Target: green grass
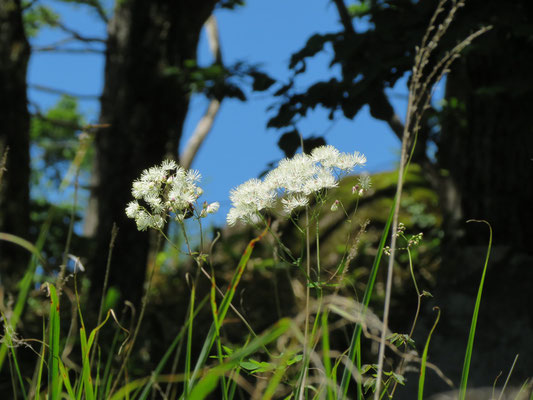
<point>271,371</point>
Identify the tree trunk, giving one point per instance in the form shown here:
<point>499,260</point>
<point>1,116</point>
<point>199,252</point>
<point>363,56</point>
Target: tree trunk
<point>486,146</point>
<point>145,105</point>
<point>487,141</point>
<point>14,135</point>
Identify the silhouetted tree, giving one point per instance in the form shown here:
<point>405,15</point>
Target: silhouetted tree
<point>14,135</point>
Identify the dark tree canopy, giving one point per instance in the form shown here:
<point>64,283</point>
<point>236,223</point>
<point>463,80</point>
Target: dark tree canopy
<point>486,97</point>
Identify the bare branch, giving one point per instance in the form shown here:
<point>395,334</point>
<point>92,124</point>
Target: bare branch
<point>200,133</point>
<point>62,92</point>
<point>213,38</point>
<point>57,49</point>
<point>205,124</point>
<point>77,35</point>
<point>344,15</point>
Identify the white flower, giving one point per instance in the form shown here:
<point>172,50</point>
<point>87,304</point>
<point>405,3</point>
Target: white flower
<point>295,178</point>
<point>143,220</point>
<point>213,207</point>
<point>193,176</point>
<point>155,203</point>
<point>132,209</point>
<point>323,179</point>
<point>169,165</point>
<point>248,199</point>
<point>292,175</point>
<point>325,155</point>
<point>164,189</point>
<point>291,202</point>
<point>360,158</point>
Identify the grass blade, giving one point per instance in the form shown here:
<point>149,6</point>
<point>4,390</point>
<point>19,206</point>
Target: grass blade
<point>224,306</point>
<point>170,350</point>
<point>54,382</point>
<point>189,340</point>
<point>470,345</point>
<point>422,378</point>
<point>209,382</point>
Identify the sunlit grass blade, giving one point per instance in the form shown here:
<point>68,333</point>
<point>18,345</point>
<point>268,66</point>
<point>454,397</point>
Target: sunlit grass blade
<point>279,373</point>
<point>189,340</point>
<point>209,381</point>
<point>7,237</point>
<point>217,323</point>
<point>66,380</point>
<point>224,306</point>
<point>470,345</point>
<point>422,378</point>
<point>326,357</point>
<point>37,388</point>
<point>54,382</point>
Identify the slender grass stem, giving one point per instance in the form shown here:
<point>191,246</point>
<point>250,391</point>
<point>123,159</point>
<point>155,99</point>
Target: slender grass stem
<point>114,232</point>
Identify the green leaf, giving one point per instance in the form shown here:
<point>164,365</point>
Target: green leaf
<point>249,365</point>
<point>359,10</point>
<point>38,17</point>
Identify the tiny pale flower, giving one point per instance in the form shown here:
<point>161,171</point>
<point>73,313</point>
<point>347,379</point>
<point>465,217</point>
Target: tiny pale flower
<point>213,207</point>
<point>164,190</point>
<point>294,178</point>
<point>292,202</point>
<point>132,209</point>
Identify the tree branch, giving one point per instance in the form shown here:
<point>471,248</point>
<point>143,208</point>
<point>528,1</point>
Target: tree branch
<point>47,89</point>
<point>57,49</point>
<point>97,6</point>
<point>200,133</point>
<point>213,38</point>
<point>344,15</point>
<point>205,124</point>
<point>77,35</point>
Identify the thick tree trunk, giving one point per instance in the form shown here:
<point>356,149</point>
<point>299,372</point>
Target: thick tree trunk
<point>14,134</point>
<point>487,141</point>
<point>145,105</point>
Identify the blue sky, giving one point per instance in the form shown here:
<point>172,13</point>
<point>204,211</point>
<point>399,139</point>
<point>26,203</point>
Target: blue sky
<point>240,146</point>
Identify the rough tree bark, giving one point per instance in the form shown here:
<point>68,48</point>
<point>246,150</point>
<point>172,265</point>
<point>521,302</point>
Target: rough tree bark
<point>14,134</point>
<point>487,142</point>
<point>145,106</point>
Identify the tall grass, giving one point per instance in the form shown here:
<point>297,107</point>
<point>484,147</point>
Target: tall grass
<point>295,357</point>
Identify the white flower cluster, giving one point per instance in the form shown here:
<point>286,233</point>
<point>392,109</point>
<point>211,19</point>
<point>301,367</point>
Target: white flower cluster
<point>166,190</point>
<point>294,179</point>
